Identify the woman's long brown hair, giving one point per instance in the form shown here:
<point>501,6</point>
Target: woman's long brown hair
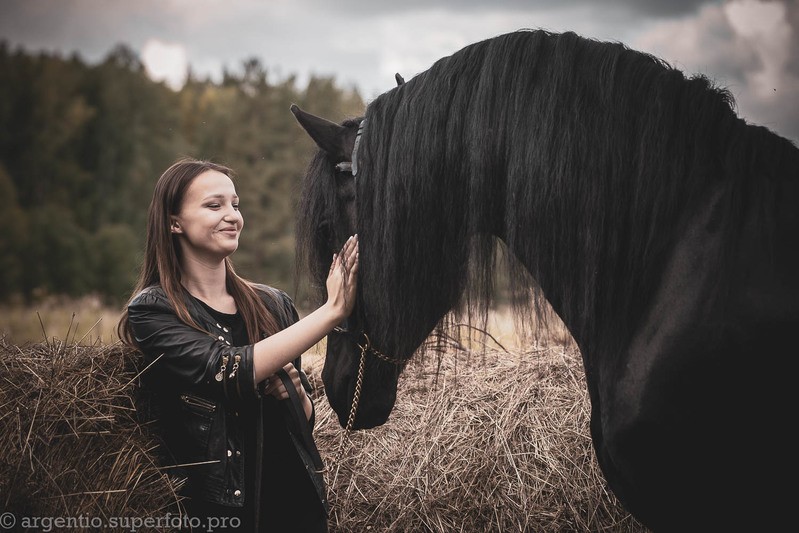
<point>162,256</point>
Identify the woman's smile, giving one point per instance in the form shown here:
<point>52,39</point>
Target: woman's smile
<point>231,231</point>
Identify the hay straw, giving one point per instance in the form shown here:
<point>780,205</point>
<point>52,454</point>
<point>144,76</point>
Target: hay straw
<point>500,444</point>
<point>71,442</point>
<point>481,441</point>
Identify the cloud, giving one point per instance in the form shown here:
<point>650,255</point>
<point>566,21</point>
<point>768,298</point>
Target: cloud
<point>667,8</point>
<point>86,26</point>
<point>764,29</point>
<point>769,30</point>
<point>747,46</point>
<point>410,41</point>
<point>165,62</point>
<point>356,9</point>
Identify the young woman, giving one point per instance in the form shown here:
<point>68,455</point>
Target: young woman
<point>235,416</point>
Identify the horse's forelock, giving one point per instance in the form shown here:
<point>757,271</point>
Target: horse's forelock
<point>317,198</point>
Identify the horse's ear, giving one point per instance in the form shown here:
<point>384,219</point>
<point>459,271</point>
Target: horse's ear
<point>329,136</point>
<point>400,79</point>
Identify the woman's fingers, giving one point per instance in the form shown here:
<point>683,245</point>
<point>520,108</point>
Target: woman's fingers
<point>349,254</point>
<point>355,257</point>
<point>341,281</point>
<point>349,248</point>
<point>275,385</point>
<point>344,259</point>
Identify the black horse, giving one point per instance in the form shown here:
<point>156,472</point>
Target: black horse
<point>661,227</point>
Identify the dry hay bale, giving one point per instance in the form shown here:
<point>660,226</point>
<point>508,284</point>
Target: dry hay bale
<point>71,443</point>
<point>477,442</point>
<point>497,442</point>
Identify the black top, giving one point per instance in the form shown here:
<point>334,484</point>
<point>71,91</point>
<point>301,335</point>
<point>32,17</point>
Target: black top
<point>286,492</point>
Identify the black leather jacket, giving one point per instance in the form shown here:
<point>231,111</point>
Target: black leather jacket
<point>202,382</point>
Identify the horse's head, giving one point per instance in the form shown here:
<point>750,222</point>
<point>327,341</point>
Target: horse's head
<point>327,216</point>
<point>327,210</point>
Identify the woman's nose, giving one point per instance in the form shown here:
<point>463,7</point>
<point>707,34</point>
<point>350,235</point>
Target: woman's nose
<point>232,214</point>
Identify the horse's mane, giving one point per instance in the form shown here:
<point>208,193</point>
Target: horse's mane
<point>590,149</point>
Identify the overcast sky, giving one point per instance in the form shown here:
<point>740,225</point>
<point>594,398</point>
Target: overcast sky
<point>748,46</point>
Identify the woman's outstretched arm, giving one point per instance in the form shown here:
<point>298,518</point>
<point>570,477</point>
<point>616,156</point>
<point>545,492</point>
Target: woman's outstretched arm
<point>272,353</point>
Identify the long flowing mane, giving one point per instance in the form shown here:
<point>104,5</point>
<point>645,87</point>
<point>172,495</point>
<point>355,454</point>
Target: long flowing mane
<point>592,137</point>
<point>597,147</point>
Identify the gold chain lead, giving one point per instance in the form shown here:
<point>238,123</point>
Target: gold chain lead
<point>356,397</point>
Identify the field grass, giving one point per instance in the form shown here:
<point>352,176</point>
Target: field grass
<point>83,320</point>
<point>88,321</point>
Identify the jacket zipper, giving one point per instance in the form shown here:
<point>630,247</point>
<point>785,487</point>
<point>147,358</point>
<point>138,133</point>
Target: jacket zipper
<point>198,402</point>
<point>233,373</point>
<point>221,374</point>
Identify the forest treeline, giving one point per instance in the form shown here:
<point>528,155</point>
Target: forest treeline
<point>81,146</point>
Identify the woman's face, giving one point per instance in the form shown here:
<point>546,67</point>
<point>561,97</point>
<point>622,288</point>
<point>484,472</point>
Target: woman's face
<point>209,222</point>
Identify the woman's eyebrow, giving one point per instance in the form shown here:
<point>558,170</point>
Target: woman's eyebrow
<point>209,197</point>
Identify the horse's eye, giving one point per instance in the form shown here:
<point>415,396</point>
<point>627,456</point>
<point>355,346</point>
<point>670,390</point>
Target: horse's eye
<point>324,235</point>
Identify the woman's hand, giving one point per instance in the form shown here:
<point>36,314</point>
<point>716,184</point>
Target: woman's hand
<point>342,280</point>
<point>271,353</point>
<point>276,388</point>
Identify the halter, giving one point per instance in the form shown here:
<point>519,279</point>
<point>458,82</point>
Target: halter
<point>366,347</point>
<point>351,166</point>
